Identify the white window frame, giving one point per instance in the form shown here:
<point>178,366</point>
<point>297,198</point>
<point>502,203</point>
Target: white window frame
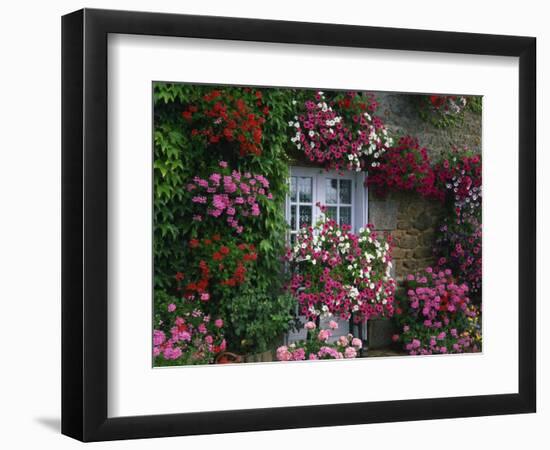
<point>359,210</point>
<point>359,218</point>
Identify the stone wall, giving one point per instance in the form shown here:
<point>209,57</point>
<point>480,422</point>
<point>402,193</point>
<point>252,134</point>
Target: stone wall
<point>412,222</point>
<point>411,219</point>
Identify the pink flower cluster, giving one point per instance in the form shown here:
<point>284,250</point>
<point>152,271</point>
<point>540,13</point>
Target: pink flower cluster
<point>460,243</point>
<point>193,337</point>
<point>317,346</point>
<point>340,134</point>
<point>436,315</point>
<point>460,174</point>
<point>337,272</point>
<point>230,195</point>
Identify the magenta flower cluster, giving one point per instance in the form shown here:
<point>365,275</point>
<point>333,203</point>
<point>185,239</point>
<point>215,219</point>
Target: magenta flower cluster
<point>340,134</point>
<point>229,195</point>
<point>460,244</point>
<point>317,346</point>
<point>195,338</point>
<point>436,315</point>
<point>337,272</point>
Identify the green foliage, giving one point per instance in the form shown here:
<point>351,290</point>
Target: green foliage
<point>474,103</point>
<point>181,154</point>
<point>257,319</point>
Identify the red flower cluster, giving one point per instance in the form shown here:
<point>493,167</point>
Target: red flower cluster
<point>221,116</point>
<point>218,265</point>
<point>405,167</point>
<point>447,102</point>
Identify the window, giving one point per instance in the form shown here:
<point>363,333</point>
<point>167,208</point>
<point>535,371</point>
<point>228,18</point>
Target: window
<point>345,196</point>
<point>343,193</point>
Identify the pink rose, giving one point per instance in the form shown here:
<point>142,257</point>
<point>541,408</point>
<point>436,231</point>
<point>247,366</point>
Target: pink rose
<point>205,296</point>
<point>218,323</point>
<point>171,307</point>
<point>333,325</point>
<point>310,325</point>
<point>356,342</point>
<point>350,352</point>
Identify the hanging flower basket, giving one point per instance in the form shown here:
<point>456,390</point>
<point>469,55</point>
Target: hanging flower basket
<point>340,133</point>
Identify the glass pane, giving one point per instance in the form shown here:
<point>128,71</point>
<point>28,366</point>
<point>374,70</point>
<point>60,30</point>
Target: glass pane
<point>345,192</point>
<point>304,188</point>
<point>331,191</point>
<point>292,189</point>
<point>292,239</point>
<point>345,215</point>
<point>292,217</point>
<point>331,212</point>
<point>305,215</point>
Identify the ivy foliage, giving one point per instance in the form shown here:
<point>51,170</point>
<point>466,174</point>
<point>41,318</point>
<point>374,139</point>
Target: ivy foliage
<point>445,111</point>
<point>181,154</point>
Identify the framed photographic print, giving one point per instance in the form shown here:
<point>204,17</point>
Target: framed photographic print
<point>274,224</point>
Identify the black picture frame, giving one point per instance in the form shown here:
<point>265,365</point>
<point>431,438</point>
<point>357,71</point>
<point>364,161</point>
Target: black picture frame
<point>84,224</point>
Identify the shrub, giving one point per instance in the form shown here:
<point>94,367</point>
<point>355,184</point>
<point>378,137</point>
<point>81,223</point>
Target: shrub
<point>255,320</point>
<point>435,315</point>
<point>186,335</point>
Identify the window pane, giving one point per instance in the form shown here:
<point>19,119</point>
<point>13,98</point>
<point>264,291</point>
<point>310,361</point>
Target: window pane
<point>305,215</point>
<point>292,239</point>
<point>345,215</point>
<point>292,217</point>
<point>345,191</point>
<point>292,189</point>
<point>331,212</point>
<point>304,188</point>
<point>331,191</point>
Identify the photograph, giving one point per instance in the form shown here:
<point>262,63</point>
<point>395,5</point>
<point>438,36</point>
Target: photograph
<point>304,224</point>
